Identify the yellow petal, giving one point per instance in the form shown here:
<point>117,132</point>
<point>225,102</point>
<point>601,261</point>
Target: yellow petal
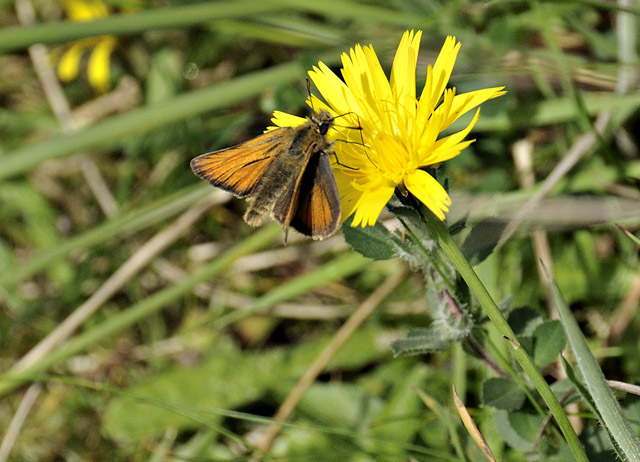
<point>365,77</point>
<point>349,196</point>
<point>403,73</point>
<point>69,64</point>
<point>370,206</point>
<point>98,69</point>
<point>334,90</point>
<point>428,191</point>
<point>464,102</point>
<point>450,146</point>
<point>283,119</point>
<point>85,10</point>
<point>438,75</point>
<point>99,9</point>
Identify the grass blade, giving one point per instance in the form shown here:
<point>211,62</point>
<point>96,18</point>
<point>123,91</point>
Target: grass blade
<point>17,37</point>
<point>595,382</point>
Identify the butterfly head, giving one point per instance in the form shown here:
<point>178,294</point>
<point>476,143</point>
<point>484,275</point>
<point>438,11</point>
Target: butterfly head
<point>323,120</point>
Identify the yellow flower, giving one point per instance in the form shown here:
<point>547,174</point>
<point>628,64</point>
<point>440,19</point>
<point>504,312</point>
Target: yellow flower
<point>400,133</point>
<point>98,65</point>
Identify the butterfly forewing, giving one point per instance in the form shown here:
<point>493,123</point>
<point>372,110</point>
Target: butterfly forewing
<point>239,169</point>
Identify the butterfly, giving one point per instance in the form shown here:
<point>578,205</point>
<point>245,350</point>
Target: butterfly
<point>284,173</point>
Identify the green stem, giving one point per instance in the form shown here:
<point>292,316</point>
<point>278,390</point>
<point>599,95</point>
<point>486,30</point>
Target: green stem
<point>17,37</point>
<point>441,234</point>
<point>177,16</point>
<point>428,255</point>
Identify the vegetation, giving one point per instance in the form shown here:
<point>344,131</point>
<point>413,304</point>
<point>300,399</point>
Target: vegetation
<point>142,319</point>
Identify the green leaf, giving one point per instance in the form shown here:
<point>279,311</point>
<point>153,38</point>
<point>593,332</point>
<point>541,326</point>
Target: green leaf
<point>565,391</point>
<point>526,342</point>
<point>548,342</point>
<point>632,410</point>
<point>421,341</point>
<point>544,340</point>
<point>519,429</point>
<point>416,241</point>
<point>502,394</point>
<point>371,241</point>
<point>598,445</point>
<point>482,240</point>
<point>524,321</point>
<point>413,223</point>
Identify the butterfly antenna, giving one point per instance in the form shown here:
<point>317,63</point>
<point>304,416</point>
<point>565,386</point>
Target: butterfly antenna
<point>309,92</point>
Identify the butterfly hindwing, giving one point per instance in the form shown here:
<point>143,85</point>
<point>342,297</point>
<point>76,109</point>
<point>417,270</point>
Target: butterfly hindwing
<point>317,205</point>
<point>239,169</point>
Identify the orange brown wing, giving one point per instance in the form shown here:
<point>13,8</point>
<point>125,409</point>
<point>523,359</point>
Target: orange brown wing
<point>238,169</point>
<point>285,205</point>
<point>317,205</point>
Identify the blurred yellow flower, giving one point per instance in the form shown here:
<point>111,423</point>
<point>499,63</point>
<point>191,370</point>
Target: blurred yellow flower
<point>98,65</point>
<point>400,133</point>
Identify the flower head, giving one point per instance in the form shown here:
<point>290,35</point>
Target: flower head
<point>399,133</point>
<point>98,68</point>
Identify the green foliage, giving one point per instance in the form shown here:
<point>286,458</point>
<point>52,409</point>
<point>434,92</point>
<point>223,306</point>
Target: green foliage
<point>624,439</point>
<point>481,240</point>
<point>519,429</point>
<point>502,394</point>
<point>544,339</point>
<point>183,397</point>
<point>420,341</point>
<point>372,242</point>
<point>189,341</point>
<point>548,342</point>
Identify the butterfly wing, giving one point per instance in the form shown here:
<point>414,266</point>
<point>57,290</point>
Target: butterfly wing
<point>287,202</point>
<point>238,169</point>
<point>314,206</point>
